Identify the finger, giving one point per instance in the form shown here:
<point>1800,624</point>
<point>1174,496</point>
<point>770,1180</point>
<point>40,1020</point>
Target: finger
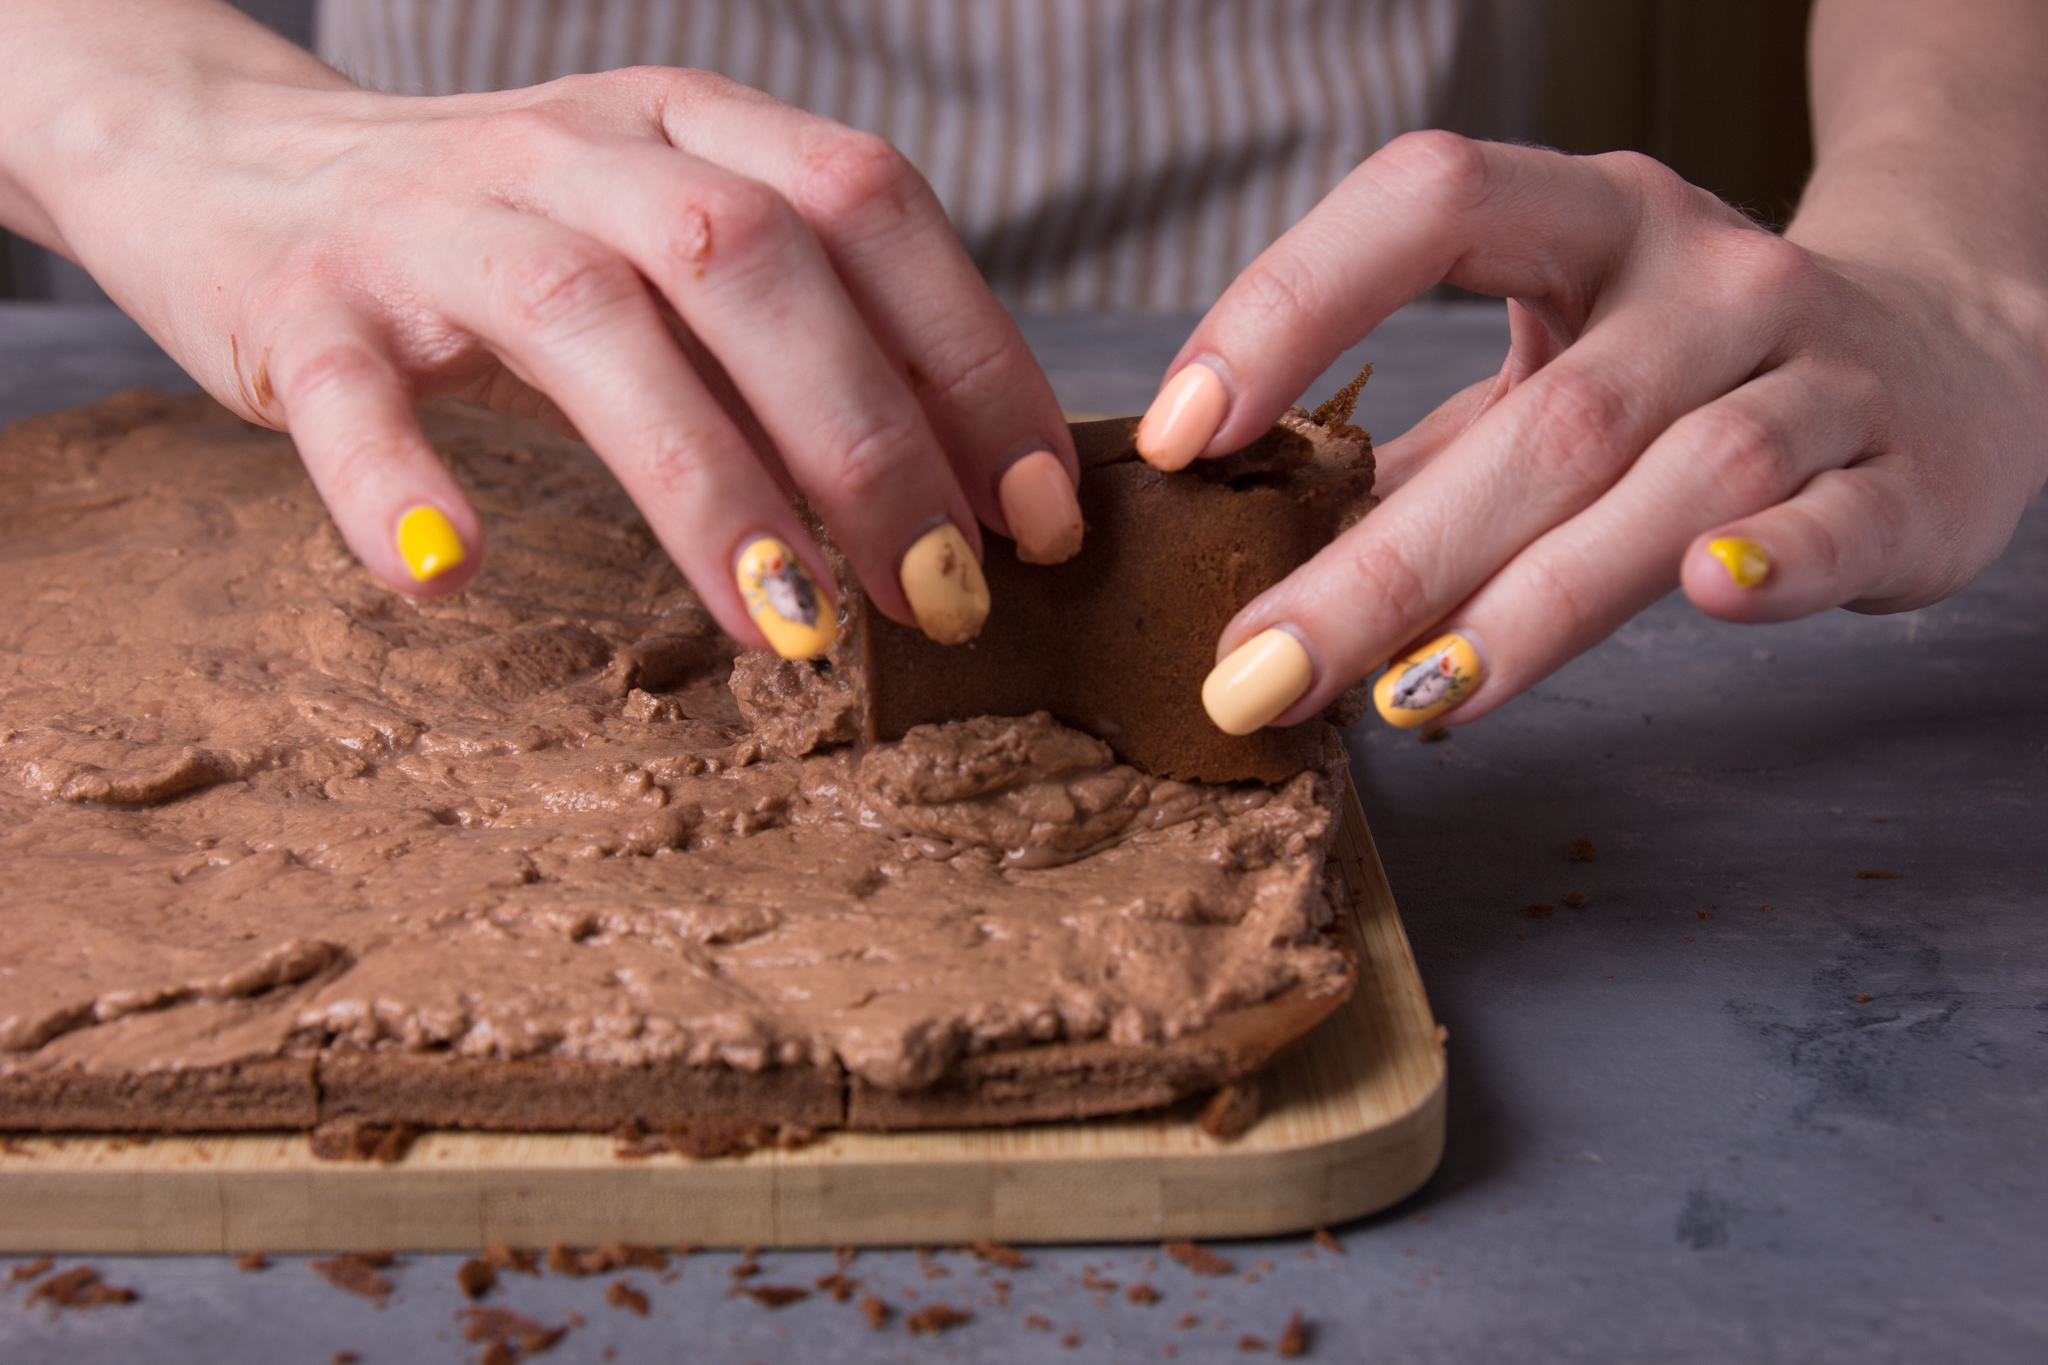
<point>1503,220</point>
<point>574,320</point>
<point>1577,584</point>
<point>353,418</point>
<point>1531,346</point>
<point>1860,537</point>
<point>752,284</point>
<point>1540,456</point>
<point>903,266</point>
<point>1399,460</point>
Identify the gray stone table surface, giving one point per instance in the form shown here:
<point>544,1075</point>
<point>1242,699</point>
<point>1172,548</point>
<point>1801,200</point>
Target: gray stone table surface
<point>1742,1106</point>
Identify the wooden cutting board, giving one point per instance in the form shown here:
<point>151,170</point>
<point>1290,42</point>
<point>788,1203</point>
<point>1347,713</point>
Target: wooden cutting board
<point>1353,1122</point>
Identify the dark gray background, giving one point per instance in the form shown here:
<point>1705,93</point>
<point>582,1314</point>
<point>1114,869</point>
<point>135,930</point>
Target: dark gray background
<point>1671,1138</point>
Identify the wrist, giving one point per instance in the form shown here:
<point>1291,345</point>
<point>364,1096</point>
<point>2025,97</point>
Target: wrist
<point>102,108</point>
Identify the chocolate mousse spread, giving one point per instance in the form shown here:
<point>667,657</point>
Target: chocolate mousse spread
<point>284,847</point>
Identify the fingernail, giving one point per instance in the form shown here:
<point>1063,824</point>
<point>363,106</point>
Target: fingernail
<point>1424,683</point>
<point>1039,503</point>
<point>1256,681</point>
<point>1747,562</point>
<point>1182,419</point>
<point>784,600</point>
<point>428,543</point>
<point>947,593</point>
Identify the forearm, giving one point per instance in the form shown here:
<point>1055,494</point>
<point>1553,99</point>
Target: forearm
<point>1931,139</point>
<point>91,89</point>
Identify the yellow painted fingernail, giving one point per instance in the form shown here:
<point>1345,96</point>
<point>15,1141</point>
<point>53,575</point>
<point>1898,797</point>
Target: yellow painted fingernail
<point>1256,681</point>
<point>427,540</point>
<point>1747,562</point>
<point>784,600</point>
<point>947,593</point>
<point>1424,683</point>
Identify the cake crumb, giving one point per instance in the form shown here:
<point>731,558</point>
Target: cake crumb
<point>936,1318</point>
<point>357,1272</point>
<point>343,1358</point>
<point>1198,1259</point>
<point>1187,1320</point>
<point>1071,1341</point>
<point>623,1254</point>
<point>1293,1338</point>
<point>996,1253</point>
<point>252,1260</point>
<point>1253,1344</point>
<point>1863,999</point>
<point>1142,1293</point>
<point>476,1277</point>
<point>1537,911</point>
<point>1435,734</point>
<point>349,1140</point>
<point>877,1313</point>
<point>511,1337</point>
<point>842,1257</point>
<point>1702,914</point>
<point>1038,1322</point>
<point>1327,1242</point>
<point>1232,1111</point>
<point>772,1295</point>
<point>745,1270</point>
<point>622,1294</point>
<point>517,1259</point>
<point>840,1286</point>
<point>1582,850</point>
<point>80,1287</point>
<point>1576,899</point>
<point>28,1270</point>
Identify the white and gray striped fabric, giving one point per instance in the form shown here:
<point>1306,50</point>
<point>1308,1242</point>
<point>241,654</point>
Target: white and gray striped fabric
<point>1093,154</point>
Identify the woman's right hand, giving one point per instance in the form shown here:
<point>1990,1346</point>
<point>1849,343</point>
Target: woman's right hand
<point>730,299</point>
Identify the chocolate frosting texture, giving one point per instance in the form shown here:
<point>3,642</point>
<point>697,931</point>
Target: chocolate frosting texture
<point>253,804</point>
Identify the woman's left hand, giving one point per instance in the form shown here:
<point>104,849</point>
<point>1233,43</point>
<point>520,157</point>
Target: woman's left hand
<point>1688,399</point>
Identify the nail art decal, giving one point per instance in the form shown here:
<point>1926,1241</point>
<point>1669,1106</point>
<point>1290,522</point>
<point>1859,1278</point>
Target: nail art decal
<point>428,543</point>
<point>784,600</point>
<point>1424,684</point>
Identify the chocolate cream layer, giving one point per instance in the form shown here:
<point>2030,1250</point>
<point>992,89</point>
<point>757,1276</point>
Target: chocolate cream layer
<point>253,804</point>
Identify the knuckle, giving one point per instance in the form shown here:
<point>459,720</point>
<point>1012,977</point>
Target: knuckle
<point>1571,622</point>
<point>679,466</point>
<point>976,366</point>
<point>1444,163</point>
<point>1280,286</point>
<point>1575,421</point>
<point>564,281</point>
<point>1749,459</point>
<point>736,224</point>
<point>335,365</point>
<point>851,176</point>
<point>1391,587</point>
<point>862,470</point>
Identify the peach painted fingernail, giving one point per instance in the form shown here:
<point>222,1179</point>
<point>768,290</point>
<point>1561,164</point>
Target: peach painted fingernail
<point>1039,503</point>
<point>428,543</point>
<point>784,600</point>
<point>947,593</point>
<point>1256,681</point>
<point>1424,683</point>
<point>1747,562</point>
<point>1182,419</point>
